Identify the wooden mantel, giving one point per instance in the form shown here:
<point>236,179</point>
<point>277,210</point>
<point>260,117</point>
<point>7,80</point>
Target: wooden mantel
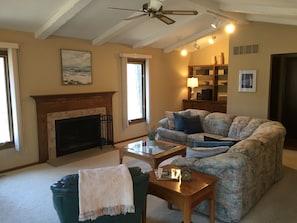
<point>65,102</point>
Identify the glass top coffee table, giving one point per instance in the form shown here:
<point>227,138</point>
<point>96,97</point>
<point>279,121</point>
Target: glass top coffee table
<point>152,154</point>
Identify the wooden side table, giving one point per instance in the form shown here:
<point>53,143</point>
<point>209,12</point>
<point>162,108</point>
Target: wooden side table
<point>186,195</point>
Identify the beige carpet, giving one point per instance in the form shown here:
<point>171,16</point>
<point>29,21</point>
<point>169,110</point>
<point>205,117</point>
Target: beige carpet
<point>25,195</point>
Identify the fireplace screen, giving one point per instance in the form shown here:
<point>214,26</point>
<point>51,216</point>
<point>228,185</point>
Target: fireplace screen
<point>75,134</point>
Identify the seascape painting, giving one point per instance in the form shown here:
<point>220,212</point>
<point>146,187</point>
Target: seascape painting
<point>76,67</point>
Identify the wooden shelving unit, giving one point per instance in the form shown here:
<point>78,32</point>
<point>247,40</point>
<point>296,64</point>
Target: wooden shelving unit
<point>212,78</point>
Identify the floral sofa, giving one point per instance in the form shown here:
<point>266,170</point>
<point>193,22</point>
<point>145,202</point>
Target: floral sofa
<point>246,169</point>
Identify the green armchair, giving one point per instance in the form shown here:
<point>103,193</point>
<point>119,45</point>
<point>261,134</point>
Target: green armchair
<point>66,203</point>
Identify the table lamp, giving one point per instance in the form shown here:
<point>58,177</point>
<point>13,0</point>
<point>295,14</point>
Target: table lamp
<point>192,82</point>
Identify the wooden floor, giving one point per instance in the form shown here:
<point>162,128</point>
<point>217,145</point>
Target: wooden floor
<point>291,143</point>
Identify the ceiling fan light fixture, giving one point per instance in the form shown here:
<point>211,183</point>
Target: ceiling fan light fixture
<point>155,5</point>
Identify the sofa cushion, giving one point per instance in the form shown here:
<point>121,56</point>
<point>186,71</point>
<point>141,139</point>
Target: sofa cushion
<point>178,121</point>
<point>202,152</point>
<point>238,124</point>
<point>192,124</point>
<point>253,124</point>
<point>172,136</point>
<point>213,143</point>
<point>169,115</point>
<point>218,123</point>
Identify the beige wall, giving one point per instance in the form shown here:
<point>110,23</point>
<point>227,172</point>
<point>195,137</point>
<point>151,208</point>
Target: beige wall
<point>40,74</point>
<point>204,55</point>
<point>272,39</point>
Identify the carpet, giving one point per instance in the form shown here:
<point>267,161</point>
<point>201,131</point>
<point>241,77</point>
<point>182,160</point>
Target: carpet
<point>25,194</point>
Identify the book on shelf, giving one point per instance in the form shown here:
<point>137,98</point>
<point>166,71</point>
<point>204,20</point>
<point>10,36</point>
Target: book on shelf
<point>168,174</point>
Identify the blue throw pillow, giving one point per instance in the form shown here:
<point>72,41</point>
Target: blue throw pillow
<point>192,124</point>
<point>207,138</point>
<point>213,143</point>
<point>178,121</point>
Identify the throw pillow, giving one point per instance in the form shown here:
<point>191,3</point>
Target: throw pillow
<point>207,138</point>
<point>178,121</point>
<point>170,116</point>
<point>202,152</point>
<point>192,124</point>
<point>213,143</point>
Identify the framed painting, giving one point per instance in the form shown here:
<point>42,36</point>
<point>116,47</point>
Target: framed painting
<point>247,81</point>
<point>76,67</point>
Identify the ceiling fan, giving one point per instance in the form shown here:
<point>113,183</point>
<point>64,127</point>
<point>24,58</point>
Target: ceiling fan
<point>154,9</point>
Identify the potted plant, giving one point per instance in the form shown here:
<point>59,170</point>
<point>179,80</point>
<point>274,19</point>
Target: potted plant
<point>151,134</point>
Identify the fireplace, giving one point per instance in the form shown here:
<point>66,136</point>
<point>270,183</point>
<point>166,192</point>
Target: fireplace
<point>52,109</point>
<point>75,134</point>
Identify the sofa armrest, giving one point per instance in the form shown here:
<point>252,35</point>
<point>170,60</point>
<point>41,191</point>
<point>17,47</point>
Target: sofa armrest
<point>164,123</point>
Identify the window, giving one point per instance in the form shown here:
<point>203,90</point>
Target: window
<point>136,96</point>
<point>6,136</point>
<point>135,88</point>
<point>10,109</point>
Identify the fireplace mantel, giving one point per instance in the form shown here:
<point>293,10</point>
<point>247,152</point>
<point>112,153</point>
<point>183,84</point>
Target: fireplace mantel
<point>65,102</point>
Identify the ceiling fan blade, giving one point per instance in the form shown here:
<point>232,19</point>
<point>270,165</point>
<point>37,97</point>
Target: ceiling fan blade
<point>134,10</point>
<point>179,12</point>
<point>164,19</point>
<point>134,17</point>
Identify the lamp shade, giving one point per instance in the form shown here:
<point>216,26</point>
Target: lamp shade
<point>192,82</point>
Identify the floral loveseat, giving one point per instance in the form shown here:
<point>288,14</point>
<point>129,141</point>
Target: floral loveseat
<point>246,169</point>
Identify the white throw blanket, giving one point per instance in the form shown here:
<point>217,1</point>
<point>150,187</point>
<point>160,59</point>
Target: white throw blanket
<point>105,191</point>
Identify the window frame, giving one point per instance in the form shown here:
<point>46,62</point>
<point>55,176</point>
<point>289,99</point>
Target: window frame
<point>8,144</point>
<point>142,62</point>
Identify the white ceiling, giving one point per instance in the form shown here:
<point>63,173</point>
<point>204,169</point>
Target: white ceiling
<point>94,20</point>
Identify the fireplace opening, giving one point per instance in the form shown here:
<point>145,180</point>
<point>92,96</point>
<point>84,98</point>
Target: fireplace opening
<point>75,134</point>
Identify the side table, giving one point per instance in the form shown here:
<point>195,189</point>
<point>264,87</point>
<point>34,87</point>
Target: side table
<point>186,195</point>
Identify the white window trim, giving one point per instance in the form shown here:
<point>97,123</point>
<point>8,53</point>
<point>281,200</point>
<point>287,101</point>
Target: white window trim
<point>15,92</point>
<point>124,61</point>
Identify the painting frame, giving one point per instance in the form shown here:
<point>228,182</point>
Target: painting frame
<point>247,80</point>
<point>76,67</point>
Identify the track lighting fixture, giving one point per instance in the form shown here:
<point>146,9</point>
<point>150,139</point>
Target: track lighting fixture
<point>196,45</point>
<point>215,23</point>
<point>230,28</point>
<point>184,52</point>
<point>212,40</point>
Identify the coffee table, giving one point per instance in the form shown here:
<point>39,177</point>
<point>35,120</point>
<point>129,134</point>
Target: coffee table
<point>152,154</point>
<point>186,195</point>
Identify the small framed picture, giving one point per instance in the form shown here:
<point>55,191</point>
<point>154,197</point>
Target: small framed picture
<point>76,67</point>
<point>247,81</point>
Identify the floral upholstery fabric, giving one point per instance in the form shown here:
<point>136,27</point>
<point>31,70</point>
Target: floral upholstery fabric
<point>239,131</point>
<point>217,123</point>
<point>247,170</point>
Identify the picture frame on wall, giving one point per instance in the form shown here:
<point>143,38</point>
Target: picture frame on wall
<point>247,81</point>
<point>76,67</point>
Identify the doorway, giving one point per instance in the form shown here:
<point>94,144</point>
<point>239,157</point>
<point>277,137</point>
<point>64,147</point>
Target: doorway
<point>283,95</point>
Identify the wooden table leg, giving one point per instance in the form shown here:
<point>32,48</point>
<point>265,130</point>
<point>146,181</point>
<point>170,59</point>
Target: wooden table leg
<point>187,213</point>
<point>120,156</point>
<point>212,207</point>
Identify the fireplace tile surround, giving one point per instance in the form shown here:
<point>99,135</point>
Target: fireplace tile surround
<point>51,107</point>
